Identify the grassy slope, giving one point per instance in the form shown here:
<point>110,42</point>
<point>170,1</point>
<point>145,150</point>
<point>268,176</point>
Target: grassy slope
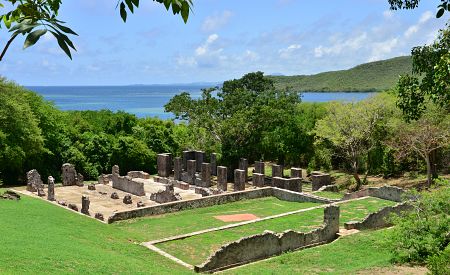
<point>197,248</point>
<point>37,237</point>
<point>373,76</point>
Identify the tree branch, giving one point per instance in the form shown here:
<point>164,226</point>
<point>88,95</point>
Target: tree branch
<point>7,46</point>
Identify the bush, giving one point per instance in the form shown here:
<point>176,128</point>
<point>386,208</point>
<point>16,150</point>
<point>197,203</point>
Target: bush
<point>422,235</point>
<point>440,264</point>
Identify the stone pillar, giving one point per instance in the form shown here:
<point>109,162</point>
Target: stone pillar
<point>69,174</point>
<point>85,205</point>
<point>293,184</point>
<point>191,167</point>
<point>319,179</point>
<point>239,180</point>
<point>222,180</point>
<point>115,171</point>
<point>164,165</point>
<point>258,180</point>
<point>187,155</point>
<point>296,172</point>
<point>243,165</point>
<point>200,158</point>
<point>177,163</point>
<point>34,181</point>
<point>331,219</point>
<point>206,175</point>
<point>277,171</point>
<point>51,189</point>
<point>260,167</point>
<point>213,164</point>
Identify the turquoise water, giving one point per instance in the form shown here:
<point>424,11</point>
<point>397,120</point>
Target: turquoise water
<point>145,100</point>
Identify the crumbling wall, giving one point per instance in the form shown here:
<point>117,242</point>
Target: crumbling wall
<point>287,195</point>
<point>268,244</point>
<point>138,174</point>
<point>386,192</point>
<point>166,195</point>
<point>128,185</point>
<point>378,219</point>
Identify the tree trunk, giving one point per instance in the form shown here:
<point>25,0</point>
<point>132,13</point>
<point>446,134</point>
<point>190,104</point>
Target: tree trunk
<point>427,160</point>
<point>433,160</point>
<point>356,176</point>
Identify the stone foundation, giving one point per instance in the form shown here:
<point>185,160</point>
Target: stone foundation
<point>128,185</point>
<point>319,179</point>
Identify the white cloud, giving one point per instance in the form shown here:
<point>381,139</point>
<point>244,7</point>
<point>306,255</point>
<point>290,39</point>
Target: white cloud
<point>425,17</point>
<point>216,21</point>
<point>287,52</point>
<point>352,43</point>
<point>382,49</point>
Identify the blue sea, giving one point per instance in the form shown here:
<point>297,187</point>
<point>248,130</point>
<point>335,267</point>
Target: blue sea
<point>146,100</point>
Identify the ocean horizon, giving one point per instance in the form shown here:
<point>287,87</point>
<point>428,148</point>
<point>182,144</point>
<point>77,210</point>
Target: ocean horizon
<point>149,100</point>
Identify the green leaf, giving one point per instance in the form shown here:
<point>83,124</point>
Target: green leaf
<point>136,3</point>
<point>440,12</point>
<point>123,12</point>
<point>65,29</point>
<point>185,12</point>
<point>62,44</point>
<point>130,5</point>
<point>33,37</point>
<point>7,22</point>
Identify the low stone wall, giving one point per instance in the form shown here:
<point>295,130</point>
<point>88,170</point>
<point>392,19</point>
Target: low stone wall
<point>215,200</point>
<point>139,175</point>
<point>128,185</point>
<point>386,192</point>
<point>269,244</point>
<point>378,219</point>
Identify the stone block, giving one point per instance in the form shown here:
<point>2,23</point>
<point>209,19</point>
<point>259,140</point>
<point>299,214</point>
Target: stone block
<point>243,165</point>
<point>34,181</point>
<point>319,179</point>
<point>239,180</point>
<point>51,189</point>
<point>260,167</point>
<point>296,172</point>
<point>277,170</point>
<point>191,168</point>
<point>177,168</point>
<point>258,180</point>
<point>164,165</point>
<point>200,157</point>
<point>138,175</point>
<point>85,203</point>
<point>206,175</point>
<point>222,180</point>
<point>187,155</point>
<point>213,161</point>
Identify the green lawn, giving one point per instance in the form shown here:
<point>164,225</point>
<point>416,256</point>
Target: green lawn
<point>196,249</point>
<point>329,195</point>
<point>37,237</point>
<point>157,227</point>
<point>347,255</point>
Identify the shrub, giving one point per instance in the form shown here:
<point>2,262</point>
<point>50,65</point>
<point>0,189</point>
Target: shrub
<point>422,235</point>
<point>440,264</point>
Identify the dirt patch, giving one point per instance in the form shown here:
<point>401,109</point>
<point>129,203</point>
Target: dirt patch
<point>237,217</point>
<point>399,269</point>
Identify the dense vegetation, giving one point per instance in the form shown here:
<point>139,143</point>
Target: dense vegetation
<point>370,77</point>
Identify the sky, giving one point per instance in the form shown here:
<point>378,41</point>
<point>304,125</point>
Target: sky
<point>223,39</point>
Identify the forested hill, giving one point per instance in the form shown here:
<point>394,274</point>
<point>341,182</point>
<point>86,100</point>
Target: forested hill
<point>368,77</point>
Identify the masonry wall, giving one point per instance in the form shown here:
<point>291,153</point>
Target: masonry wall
<point>214,200</point>
<point>268,244</point>
<point>391,193</point>
<point>378,219</point>
<point>128,185</point>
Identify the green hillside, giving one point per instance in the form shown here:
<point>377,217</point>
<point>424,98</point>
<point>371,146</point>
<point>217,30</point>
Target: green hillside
<point>368,77</point>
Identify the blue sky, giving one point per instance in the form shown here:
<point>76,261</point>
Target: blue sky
<point>223,39</point>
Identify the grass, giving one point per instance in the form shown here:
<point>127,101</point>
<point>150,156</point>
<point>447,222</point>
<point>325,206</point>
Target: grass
<point>329,195</point>
<point>347,255</point>
<point>37,237</point>
<point>196,249</point>
<point>157,227</point>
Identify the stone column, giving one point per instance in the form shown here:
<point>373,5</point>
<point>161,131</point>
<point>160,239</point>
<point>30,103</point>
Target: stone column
<point>260,167</point>
<point>187,155</point>
<point>213,164</point>
<point>85,205</point>
<point>164,165</point>
<point>191,167</point>
<point>222,182</point>
<point>239,180</point>
<point>296,172</point>
<point>206,175</point>
<point>243,165</point>
<point>69,174</point>
<point>115,171</point>
<point>200,158</point>
<point>258,180</point>
<point>319,179</point>
<point>277,171</point>
<point>177,163</point>
<point>51,189</point>
<point>293,184</point>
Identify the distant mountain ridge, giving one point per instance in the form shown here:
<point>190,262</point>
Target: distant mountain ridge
<point>368,77</point>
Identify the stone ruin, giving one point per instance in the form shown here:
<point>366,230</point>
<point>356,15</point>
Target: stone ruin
<point>85,203</point>
<point>126,183</point>
<point>127,199</point>
<point>51,189</point>
<point>34,182</point>
<point>166,195</point>
<point>70,176</point>
<point>319,179</point>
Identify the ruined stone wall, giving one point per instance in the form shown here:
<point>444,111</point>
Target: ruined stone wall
<point>269,244</point>
<point>128,185</point>
<point>138,174</point>
<point>386,192</point>
<point>214,200</point>
<point>378,219</point>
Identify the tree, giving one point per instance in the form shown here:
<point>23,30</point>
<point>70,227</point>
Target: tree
<point>34,18</point>
<point>430,80</point>
<point>351,127</point>
<point>423,137</point>
<point>412,4</point>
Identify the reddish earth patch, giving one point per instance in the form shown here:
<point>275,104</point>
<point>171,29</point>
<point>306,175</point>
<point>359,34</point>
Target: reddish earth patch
<point>236,217</point>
